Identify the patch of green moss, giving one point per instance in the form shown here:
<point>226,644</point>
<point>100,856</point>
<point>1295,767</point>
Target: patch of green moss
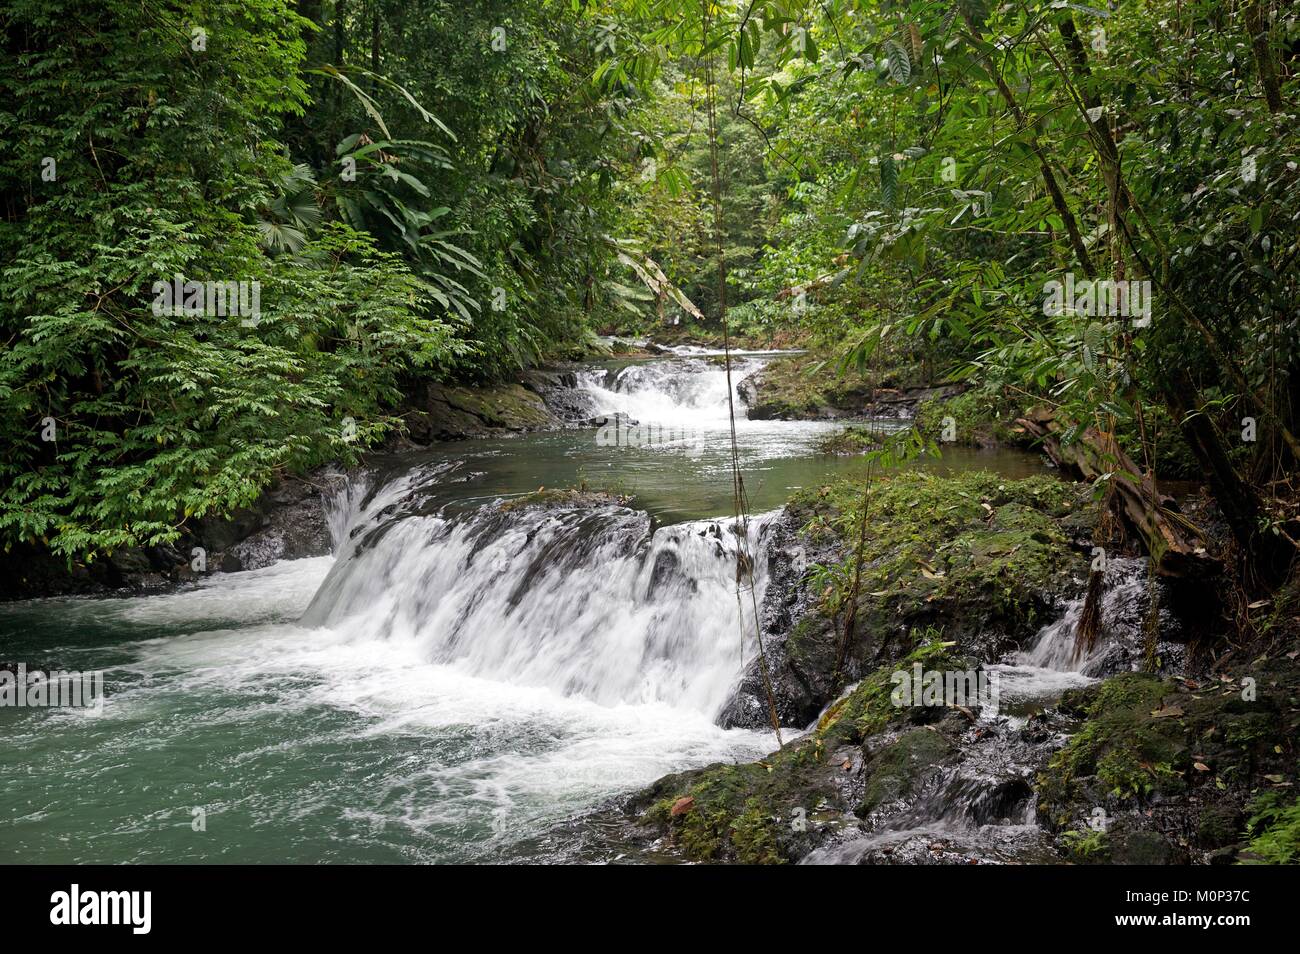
<point>731,814</point>
<point>753,837</point>
<point>1141,736</point>
<point>975,544</point>
<point>742,812</point>
<point>1121,745</point>
<point>1219,825</point>
<point>508,406</point>
<point>804,386</point>
<point>869,707</point>
<point>896,768</point>
<point>1128,691</point>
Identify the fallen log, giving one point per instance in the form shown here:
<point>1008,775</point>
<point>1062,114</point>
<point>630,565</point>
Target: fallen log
<point>1175,544</point>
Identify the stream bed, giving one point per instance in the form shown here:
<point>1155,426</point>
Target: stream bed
<point>453,682</point>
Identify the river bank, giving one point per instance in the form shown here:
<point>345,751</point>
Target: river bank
<point>534,637</point>
<point>289,521</point>
<point>1081,758</point>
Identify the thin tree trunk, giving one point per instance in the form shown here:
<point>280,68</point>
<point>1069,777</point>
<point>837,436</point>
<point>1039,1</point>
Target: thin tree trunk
<point>1257,23</point>
<point>1044,166</point>
<point>340,31</point>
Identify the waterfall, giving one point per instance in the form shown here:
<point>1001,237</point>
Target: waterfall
<point>588,600</point>
<point>981,802</point>
<point>1125,587</point>
<point>584,601</point>
<point>685,392</point>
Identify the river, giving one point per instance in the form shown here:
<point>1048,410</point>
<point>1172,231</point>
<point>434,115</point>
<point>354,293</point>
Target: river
<point>454,681</point>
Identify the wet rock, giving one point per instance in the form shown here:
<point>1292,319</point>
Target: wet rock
<point>896,768</point>
<point>1220,825</point>
<point>1130,844</point>
<point>446,412</point>
<point>288,523</point>
<point>665,572</point>
<point>801,690</point>
<point>567,403</point>
<point>987,567</point>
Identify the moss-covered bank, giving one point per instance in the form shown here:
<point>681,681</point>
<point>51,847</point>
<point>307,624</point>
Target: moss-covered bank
<point>863,751</point>
<point>1163,770</point>
<point>957,572</point>
<point>981,559</point>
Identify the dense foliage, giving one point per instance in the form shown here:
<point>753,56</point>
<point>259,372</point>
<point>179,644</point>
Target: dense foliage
<point>439,188</point>
<point>943,162</point>
<point>260,143</point>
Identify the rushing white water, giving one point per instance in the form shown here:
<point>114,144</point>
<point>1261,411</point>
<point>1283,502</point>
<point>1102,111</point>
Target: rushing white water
<point>683,405</point>
<point>1050,665</point>
<point>582,602</point>
<point>456,679</point>
<point>684,393</point>
<point>1125,582</point>
<point>308,742</point>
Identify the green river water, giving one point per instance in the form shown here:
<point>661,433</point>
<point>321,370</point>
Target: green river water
<point>233,732</point>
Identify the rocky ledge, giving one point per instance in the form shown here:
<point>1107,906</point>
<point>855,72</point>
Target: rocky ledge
<point>288,522</point>
<point>797,387</point>
<point>1194,763</point>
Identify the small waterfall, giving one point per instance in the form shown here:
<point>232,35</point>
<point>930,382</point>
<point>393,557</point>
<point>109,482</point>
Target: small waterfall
<point>980,803</point>
<point>1038,674</point>
<point>585,601</point>
<point>344,507</point>
<point>357,498</point>
<point>1125,585</point>
<point>685,391</point>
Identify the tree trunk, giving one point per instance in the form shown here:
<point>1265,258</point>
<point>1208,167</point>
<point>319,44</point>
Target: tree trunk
<point>1260,42</point>
<point>1266,557</point>
<point>1176,547</point>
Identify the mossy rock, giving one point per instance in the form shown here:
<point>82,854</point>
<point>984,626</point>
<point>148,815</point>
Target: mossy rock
<point>453,412</point>
<point>746,813</point>
<point>798,387</point>
<point>1181,756</point>
<point>978,418</point>
<point>1220,825</point>
<point>976,556</point>
<point>896,769</point>
<point>549,497</point>
<point>1120,753</point>
<point>1141,846</point>
<point>730,812</point>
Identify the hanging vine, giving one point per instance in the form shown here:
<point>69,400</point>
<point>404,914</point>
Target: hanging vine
<point>740,501</point>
